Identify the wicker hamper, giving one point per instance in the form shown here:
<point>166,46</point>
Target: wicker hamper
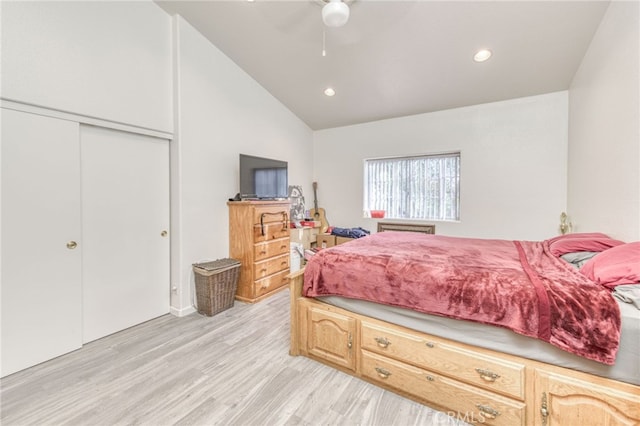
<point>216,284</point>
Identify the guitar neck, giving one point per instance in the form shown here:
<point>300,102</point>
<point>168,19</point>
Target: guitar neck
<point>315,196</point>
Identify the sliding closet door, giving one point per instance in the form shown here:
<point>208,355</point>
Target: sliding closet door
<point>125,211</point>
<point>41,241</point>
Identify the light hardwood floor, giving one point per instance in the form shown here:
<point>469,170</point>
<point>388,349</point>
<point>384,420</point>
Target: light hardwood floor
<point>229,369</point>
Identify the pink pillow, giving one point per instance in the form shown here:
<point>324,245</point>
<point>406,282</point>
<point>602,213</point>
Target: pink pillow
<point>577,235</point>
<point>581,242</point>
<point>615,266</point>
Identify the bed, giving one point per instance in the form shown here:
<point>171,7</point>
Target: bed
<point>459,345</point>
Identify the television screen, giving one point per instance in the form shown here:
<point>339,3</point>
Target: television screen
<point>262,178</point>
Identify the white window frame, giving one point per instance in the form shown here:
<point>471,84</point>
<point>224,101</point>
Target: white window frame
<point>436,177</point>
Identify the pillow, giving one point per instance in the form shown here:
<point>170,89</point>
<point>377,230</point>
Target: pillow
<point>582,242</point>
<point>578,258</point>
<point>615,266</point>
<point>577,235</point>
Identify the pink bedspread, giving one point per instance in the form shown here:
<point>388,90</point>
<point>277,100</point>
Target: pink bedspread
<point>514,284</point>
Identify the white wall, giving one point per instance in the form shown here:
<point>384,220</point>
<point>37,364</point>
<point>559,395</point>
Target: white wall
<point>513,164</point>
<point>106,60</point>
<point>221,112</point>
<point>129,65</point>
<point>604,129</point>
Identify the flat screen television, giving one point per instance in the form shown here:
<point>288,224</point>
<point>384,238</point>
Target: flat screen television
<point>263,178</point>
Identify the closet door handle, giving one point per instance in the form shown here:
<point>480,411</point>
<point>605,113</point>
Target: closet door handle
<point>71,245</point>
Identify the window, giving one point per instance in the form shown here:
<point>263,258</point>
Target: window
<point>420,187</point>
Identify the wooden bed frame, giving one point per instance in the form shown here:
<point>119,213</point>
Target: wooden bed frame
<point>472,384</point>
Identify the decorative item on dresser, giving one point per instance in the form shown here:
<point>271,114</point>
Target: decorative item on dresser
<point>259,238</point>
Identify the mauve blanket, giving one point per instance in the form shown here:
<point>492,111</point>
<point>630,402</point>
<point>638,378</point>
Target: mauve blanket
<point>519,285</point>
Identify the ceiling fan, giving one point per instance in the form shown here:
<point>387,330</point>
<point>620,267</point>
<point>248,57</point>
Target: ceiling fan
<point>335,13</point>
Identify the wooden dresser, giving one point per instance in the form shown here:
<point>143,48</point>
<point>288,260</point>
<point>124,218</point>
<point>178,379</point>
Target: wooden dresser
<point>259,239</point>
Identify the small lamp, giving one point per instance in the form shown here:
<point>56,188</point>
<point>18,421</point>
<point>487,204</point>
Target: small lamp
<point>565,226</point>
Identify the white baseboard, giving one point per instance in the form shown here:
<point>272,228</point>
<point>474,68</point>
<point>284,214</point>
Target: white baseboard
<point>182,312</point>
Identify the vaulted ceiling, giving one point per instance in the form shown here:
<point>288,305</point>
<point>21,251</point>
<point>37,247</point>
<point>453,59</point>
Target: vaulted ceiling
<point>396,58</point>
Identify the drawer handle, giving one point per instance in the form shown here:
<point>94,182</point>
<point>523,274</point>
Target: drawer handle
<point>486,375</point>
<point>543,409</point>
<point>430,344</point>
<point>263,252</point>
<point>283,263</point>
<point>430,378</point>
<point>488,411</point>
<point>263,270</point>
<point>264,285</point>
<point>382,342</point>
<point>350,341</point>
<point>384,374</point>
<point>283,247</point>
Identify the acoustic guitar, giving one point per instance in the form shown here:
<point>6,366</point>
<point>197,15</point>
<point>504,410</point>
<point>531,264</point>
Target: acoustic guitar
<point>319,213</point>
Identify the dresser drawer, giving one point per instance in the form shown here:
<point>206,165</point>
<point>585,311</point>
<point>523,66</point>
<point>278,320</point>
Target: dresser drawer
<point>269,249</point>
<point>269,214</point>
<point>270,231</point>
<point>473,405</point>
<point>436,355</point>
<point>271,283</point>
<point>270,266</point>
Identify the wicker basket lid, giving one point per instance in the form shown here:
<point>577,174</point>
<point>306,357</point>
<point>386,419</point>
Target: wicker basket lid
<point>217,264</point>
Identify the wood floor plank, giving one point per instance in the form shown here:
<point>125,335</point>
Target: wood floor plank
<point>229,369</point>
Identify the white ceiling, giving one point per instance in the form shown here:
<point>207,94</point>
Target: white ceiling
<point>395,58</point>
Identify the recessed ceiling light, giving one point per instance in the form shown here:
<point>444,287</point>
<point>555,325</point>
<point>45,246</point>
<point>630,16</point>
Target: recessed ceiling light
<point>329,91</point>
<point>482,55</point>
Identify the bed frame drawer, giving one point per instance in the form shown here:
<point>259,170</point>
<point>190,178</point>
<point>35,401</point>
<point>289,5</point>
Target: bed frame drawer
<point>436,355</point>
<point>474,405</point>
<point>331,337</point>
